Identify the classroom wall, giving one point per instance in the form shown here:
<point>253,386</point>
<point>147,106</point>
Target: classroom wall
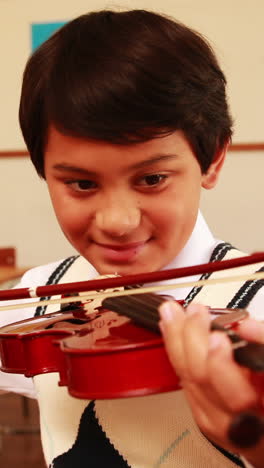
<point>234,208</point>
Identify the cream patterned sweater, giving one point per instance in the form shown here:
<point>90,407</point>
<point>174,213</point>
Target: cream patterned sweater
<point>144,432</point>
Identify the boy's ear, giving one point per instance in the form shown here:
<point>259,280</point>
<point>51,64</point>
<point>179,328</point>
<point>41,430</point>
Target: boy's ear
<point>210,177</point>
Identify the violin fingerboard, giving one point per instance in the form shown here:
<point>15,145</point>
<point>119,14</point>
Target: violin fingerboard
<point>141,308</point>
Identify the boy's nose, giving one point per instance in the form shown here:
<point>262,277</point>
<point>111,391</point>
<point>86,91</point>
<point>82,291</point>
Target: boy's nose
<point>118,218</point>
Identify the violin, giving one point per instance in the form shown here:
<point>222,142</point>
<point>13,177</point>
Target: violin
<point>106,354</point>
<point>115,350</point>
<point>101,354</point>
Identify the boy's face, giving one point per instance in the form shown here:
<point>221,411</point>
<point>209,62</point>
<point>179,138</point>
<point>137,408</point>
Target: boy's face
<point>126,209</point>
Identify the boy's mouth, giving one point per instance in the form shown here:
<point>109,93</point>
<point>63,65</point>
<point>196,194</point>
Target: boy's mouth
<point>121,252</point>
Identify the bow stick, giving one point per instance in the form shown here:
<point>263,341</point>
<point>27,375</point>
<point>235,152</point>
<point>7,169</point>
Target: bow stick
<point>128,280</point>
<point>129,292</point>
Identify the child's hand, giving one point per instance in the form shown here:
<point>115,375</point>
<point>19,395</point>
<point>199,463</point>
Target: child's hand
<point>216,387</point>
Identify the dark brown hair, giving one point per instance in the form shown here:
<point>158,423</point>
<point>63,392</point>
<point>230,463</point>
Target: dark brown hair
<point>125,77</point>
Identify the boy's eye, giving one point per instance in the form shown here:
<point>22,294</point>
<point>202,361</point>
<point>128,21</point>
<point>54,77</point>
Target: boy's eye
<point>82,185</point>
<point>152,179</point>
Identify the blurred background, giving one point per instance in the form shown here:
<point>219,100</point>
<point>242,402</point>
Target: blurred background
<point>234,208</point>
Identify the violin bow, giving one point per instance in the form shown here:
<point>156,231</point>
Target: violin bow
<point>103,294</point>
<point>129,280</point>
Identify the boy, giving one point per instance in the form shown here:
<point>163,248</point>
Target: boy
<point>125,116</point>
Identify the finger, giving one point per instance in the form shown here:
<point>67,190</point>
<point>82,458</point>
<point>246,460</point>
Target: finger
<point>211,419</point>
<point>196,336</point>
<point>229,380</point>
<point>195,342</point>
<point>252,330</point>
<point>171,324</point>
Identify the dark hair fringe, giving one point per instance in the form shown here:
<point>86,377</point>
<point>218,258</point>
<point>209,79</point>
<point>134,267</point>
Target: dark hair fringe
<point>125,77</point>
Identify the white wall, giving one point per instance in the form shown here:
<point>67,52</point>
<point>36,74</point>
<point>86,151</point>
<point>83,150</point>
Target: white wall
<point>235,207</point>
<point>235,29</point>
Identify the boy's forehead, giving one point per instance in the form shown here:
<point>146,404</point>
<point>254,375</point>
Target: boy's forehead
<point>65,153</point>
<point>160,148</point>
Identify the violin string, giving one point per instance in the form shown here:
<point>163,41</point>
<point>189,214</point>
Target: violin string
<point>148,301</point>
<point>149,289</point>
<point>141,319</point>
<point>143,309</point>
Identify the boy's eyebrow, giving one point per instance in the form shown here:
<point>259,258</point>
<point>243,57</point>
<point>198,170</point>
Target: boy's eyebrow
<point>153,160</point>
<point>65,167</point>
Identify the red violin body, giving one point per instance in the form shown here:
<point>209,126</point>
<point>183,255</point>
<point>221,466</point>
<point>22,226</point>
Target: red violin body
<point>102,356</point>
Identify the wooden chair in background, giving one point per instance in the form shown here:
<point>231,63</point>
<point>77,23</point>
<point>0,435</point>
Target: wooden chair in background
<point>9,271</point>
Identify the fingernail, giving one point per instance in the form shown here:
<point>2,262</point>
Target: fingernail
<point>167,312</point>
<point>192,309</point>
<point>161,326</point>
<point>215,340</point>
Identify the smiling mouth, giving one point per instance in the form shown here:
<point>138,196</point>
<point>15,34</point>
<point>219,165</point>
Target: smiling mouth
<point>132,245</point>
<point>121,253</point>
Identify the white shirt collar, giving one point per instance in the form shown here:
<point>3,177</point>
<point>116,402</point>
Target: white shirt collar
<point>197,250</point>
